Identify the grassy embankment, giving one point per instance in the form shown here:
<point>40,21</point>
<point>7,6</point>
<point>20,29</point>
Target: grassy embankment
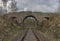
<point>8,28</point>
<point>51,27</point>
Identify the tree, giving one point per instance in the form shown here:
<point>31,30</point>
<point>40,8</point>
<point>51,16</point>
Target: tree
<point>4,2</point>
<point>11,6</point>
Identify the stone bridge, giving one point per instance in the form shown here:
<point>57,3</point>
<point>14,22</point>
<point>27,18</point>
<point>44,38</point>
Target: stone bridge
<point>21,16</point>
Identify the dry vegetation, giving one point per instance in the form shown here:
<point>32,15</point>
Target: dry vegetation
<point>51,27</point>
<point>8,28</point>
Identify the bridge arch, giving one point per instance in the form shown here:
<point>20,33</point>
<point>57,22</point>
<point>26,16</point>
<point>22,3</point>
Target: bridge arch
<point>31,17</point>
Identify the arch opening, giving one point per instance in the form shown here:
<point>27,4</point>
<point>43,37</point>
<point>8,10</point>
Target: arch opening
<point>30,21</point>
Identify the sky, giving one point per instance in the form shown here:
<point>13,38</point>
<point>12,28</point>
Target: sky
<point>38,5</point>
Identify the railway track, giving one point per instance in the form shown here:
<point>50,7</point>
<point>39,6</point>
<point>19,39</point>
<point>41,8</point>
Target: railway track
<point>36,36</point>
<point>30,35</point>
